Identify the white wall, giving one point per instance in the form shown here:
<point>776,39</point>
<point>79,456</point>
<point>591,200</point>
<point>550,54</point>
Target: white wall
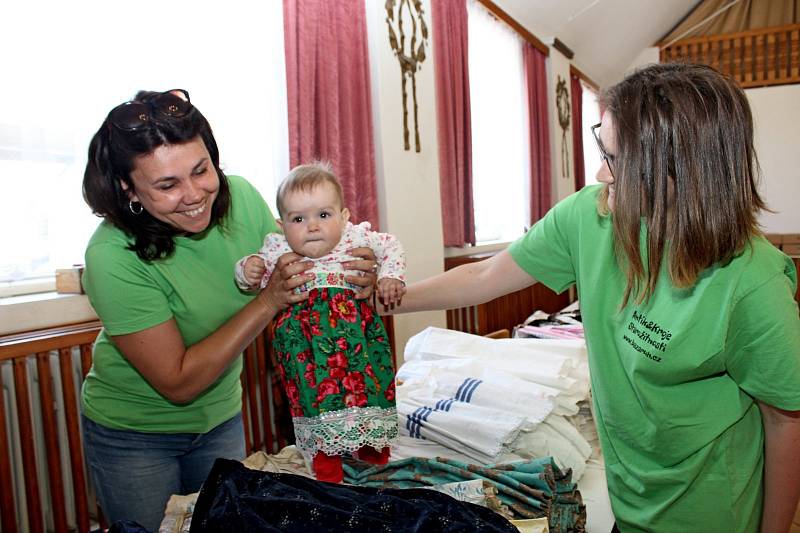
<point>646,57</point>
<point>563,182</point>
<point>776,113</point>
<point>408,182</point>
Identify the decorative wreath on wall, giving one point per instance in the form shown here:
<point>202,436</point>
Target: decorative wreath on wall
<point>410,52</point>
<point>564,120</point>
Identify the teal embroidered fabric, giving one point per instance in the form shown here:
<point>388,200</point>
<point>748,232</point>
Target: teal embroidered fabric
<point>530,489</point>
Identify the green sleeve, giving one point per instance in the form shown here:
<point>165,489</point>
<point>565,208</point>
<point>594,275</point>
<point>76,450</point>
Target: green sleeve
<point>122,291</point>
<point>764,343</point>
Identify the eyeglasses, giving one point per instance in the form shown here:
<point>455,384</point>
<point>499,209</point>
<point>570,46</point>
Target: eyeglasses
<point>608,158</point>
<point>135,115</point>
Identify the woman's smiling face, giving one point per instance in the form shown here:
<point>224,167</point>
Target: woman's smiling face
<point>177,184</point>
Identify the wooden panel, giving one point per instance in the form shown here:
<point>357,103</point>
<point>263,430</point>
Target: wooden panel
<point>791,249</point>
<point>248,435</point>
<point>86,359</point>
<point>50,428</point>
<point>31,478</point>
<point>263,383</point>
<point>505,312</point>
<point>754,58</point>
<point>71,413</point>
<point>774,238</point>
<point>22,344</point>
<point>249,376</point>
<point>8,518</point>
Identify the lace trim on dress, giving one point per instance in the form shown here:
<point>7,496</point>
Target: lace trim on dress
<point>345,431</point>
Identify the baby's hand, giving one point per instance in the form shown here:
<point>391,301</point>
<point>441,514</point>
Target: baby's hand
<point>390,292</point>
<point>254,269</point>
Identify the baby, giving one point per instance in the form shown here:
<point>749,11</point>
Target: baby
<point>335,360</point>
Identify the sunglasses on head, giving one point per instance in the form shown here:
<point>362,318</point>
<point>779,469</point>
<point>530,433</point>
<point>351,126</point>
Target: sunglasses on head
<point>135,115</point>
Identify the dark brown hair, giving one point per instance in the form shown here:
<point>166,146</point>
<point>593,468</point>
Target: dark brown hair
<point>686,165</point>
<point>112,152</point>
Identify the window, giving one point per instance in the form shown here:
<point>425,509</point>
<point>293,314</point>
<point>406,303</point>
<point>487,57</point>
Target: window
<point>590,117</point>
<point>230,61</point>
<point>500,152</point>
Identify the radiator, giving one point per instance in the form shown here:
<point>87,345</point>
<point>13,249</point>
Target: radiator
<point>13,431</point>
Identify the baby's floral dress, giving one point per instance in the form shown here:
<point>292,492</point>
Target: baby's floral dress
<point>334,358</point>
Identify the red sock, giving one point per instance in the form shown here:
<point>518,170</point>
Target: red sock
<point>372,456</point>
<point>328,467</point>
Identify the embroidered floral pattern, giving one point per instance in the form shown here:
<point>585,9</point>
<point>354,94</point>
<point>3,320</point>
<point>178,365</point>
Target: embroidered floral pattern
<point>336,367</point>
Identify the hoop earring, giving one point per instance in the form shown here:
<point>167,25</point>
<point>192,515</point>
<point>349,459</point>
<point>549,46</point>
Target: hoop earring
<point>135,211</point>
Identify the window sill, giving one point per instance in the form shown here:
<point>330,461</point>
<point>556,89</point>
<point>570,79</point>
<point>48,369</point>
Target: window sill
<point>483,248</point>
<point>32,286</point>
<point>43,310</point>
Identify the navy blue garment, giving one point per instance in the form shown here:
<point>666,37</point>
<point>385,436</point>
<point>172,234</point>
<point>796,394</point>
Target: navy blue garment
<point>235,498</point>
<point>127,526</point>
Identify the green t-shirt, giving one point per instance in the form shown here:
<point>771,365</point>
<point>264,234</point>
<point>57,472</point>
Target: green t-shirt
<point>196,287</point>
<point>674,380</point>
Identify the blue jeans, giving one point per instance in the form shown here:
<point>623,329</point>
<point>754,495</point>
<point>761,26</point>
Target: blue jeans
<point>135,473</point>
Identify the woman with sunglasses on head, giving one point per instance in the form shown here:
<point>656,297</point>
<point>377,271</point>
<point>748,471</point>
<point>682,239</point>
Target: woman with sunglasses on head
<point>163,398</point>
<point>689,314</point>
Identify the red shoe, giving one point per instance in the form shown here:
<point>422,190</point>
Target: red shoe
<point>370,455</point>
<point>328,467</point>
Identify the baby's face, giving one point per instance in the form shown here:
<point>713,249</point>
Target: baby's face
<point>313,220</point>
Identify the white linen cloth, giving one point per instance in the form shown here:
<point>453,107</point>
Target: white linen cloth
<point>491,400</point>
<point>557,363</point>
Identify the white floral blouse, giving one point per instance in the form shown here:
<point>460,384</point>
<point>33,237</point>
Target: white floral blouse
<point>328,270</point>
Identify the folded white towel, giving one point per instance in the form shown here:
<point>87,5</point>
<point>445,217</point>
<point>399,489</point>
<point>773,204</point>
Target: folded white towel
<point>560,364</point>
<point>470,381</point>
<point>475,431</point>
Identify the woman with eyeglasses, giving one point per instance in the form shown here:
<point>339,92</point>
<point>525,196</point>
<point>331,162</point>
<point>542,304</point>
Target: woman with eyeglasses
<point>689,314</point>
<point>162,400</point>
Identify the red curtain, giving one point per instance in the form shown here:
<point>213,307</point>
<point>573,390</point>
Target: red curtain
<point>539,127</point>
<point>576,91</point>
<point>328,91</point>
<point>449,18</point>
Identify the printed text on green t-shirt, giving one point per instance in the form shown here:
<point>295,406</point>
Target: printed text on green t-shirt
<point>649,333</point>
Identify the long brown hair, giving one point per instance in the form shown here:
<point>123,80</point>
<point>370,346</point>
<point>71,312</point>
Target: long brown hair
<point>686,165</point>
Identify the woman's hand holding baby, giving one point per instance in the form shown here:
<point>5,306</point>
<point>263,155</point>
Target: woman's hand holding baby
<point>289,274</point>
<point>367,265</point>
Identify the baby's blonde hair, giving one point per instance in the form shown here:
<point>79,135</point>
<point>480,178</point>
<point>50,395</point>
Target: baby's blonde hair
<point>305,178</point>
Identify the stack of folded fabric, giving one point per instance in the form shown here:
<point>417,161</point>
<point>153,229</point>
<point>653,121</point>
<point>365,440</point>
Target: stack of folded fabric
<point>485,401</point>
<point>468,408</point>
